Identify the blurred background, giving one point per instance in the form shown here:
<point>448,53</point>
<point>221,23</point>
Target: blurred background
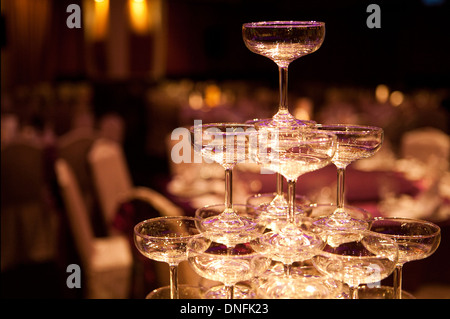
<point>137,69</point>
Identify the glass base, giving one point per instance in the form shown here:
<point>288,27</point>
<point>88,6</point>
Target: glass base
<point>342,224</point>
<point>275,218</point>
<point>322,210</point>
<point>272,209</point>
<point>383,292</point>
<point>241,291</point>
<point>282,120</point>
<point>304,282</point>
<point>229,226</point>
<point>299,287</point>
<point>184,292</point>
<point>290,244</point>
<point>232,232</point>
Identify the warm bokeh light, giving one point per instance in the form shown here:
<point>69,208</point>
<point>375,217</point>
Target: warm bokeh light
<point>101,18</point>
<point>195,100</point>
<point>212,95</point>
<point>396,98</point>
<point>303,109</point>
<point>139,16</point>
<point>96,18</point>
<point>382,93</point>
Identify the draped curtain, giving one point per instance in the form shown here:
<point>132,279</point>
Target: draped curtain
<point>27,25</point>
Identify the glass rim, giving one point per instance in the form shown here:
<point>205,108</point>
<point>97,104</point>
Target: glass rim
<point>201,127</point>
<point>306,130</point>
<point>436,229</point>
<point>266,121</point>
<point>310,135</point>
<point>283,24</point>
<point>259,195</point>
<point>225,255</point>
<point>157,219</point>
<point>335,128</point>
<point>222,205</point>
<point>218,208</point>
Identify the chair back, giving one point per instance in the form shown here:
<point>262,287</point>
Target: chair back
<point>77,213</point>
<point>74,147</point>
<point>28,223</point>
<point>110,175</point>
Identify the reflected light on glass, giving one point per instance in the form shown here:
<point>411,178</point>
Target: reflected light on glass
<point>396,98</point>
<point>310,289</point>
<point>382,93</point>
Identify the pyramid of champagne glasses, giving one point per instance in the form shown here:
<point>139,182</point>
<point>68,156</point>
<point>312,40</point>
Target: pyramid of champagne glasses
<point>283,245</point>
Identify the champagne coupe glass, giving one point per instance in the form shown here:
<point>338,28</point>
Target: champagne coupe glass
<point>416,239</point>
<point>276,204</point>
<point>354,142</point>
<point>318,211</point>
<point>292,153</point>
<point>218,262</point>
<point>369,258</point>
<point>309,283</point>
<point>164,239</point>
<point>227,144</point>
<point>230,236</point>
<point>295,243</point>
<point>285,282</point>
<point>283,42</point>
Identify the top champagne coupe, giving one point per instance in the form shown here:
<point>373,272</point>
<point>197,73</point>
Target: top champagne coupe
<point>283,42</point>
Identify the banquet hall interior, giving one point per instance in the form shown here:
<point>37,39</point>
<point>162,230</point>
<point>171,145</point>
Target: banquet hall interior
<point>93,92</point>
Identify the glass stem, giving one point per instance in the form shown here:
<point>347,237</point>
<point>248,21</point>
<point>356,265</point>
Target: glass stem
<point>228,188</point>
<point>287,269</point>
<point>340,188</point>
<point>397,277</point>
<point>283,80</point>
<point>173,269</point>
<point>291,200</point>
<point>279,184</point>
<point>353,292</point>
<point>229,291</point>
<point>279,202</point>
